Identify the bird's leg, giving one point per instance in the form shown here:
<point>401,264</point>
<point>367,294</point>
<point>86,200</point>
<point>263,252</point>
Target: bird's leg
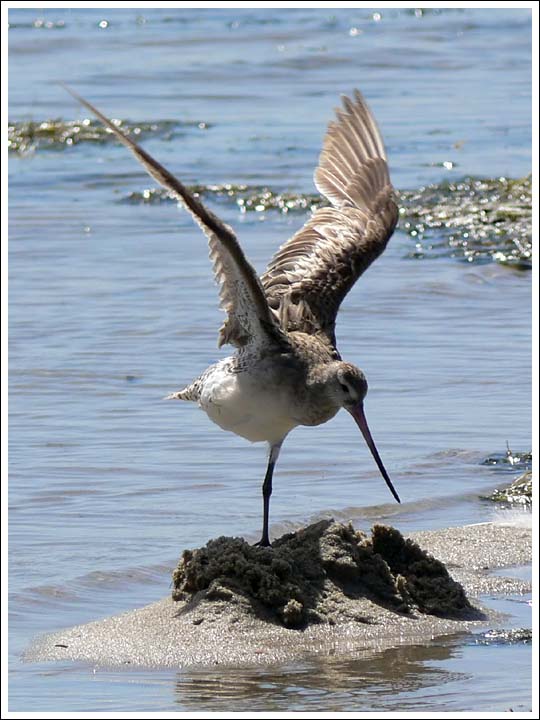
<point>267,491</point>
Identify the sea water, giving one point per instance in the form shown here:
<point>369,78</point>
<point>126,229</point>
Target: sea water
<point>113,306</point>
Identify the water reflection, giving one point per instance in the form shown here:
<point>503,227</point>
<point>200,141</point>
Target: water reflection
<point>396,677</point>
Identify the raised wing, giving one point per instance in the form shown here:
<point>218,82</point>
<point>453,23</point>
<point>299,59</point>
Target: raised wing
<point>250,321</point>
<point>310,274</point>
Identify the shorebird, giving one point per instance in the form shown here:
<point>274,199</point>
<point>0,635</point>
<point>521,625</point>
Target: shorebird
<point>286,370</point>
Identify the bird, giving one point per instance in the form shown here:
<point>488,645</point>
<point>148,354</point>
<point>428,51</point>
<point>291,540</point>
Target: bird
<point>286,370</point>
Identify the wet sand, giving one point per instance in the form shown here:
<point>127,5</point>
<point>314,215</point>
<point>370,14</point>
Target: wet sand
<point>223,629</point>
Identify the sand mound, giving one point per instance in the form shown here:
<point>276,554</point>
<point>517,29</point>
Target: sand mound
<point>326,590</point>
<point>318,575</point>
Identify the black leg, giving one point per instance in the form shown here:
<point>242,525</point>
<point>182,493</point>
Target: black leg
<point>267,492</point>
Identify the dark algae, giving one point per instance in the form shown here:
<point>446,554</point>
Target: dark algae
<point>474,219</point>
<point>513,636</point>
<point>56,134</point>
<point>317,574</point>
<point>510,460</point>
<point>471,219</point>
<point>519,491</point>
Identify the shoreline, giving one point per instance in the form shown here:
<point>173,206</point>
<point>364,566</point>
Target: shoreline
<point>169,634</point>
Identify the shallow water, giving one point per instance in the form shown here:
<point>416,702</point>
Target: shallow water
<point>112,306</point>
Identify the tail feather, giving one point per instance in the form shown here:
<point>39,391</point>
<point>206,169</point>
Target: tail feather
<point>191,393</point>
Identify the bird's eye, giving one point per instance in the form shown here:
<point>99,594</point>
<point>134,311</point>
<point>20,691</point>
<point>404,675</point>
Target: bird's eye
<point>344,388</point>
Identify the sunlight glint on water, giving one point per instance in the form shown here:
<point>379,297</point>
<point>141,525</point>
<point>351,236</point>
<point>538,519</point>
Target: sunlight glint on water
<point>112,306</point>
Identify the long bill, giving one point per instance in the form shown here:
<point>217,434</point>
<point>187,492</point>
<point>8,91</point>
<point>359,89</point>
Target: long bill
<point>360,419</point>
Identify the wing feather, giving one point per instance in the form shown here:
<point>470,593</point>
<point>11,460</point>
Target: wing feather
<point>242,297</point>
<point>307,279</point>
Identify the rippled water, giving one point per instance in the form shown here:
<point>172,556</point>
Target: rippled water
<point>112,306</point>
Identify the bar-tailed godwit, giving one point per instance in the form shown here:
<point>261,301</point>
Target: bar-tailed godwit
<point>286,370</point>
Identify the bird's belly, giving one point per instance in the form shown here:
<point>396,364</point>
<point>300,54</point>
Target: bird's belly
<point>242,407</point>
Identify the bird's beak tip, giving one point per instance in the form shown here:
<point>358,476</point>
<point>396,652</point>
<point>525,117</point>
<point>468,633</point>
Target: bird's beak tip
<point>358,414</point>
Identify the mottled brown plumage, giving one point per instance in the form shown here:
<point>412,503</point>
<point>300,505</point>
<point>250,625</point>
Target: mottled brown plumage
<point>309,276</point>
<point>287,370</point>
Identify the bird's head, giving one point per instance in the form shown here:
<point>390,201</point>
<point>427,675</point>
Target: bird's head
<point>348,387</point>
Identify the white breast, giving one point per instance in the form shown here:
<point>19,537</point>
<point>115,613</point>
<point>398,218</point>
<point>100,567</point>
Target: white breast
<point>238,403</point>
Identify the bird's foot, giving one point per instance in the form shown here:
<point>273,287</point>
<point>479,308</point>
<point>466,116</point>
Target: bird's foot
<point>263,542</point>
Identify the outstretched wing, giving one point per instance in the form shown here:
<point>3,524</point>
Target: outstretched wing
<point>249,320</point>
<point>310,274</point>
